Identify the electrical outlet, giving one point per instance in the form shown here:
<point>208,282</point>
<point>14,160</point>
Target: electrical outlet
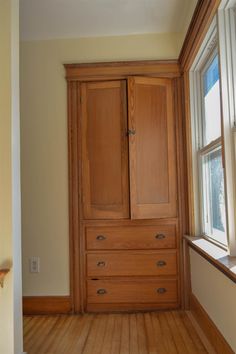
<point>34,264</point>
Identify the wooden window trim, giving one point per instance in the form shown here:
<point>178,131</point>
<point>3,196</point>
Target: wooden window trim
<point>200,23</point>
<point>215,255</point>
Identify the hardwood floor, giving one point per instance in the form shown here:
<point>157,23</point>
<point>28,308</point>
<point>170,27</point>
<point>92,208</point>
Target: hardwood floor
<point>138,333</point>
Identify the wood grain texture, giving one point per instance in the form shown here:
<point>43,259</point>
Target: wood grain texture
<point>130,237</point>
<point>181,178</point>
<point>132,291</point>
<point>152,149</point>
<point>46,305</point>
<point>188,154</point>
<point>142,263</point>
<point>121,70</point>
<point>73,107</point>
<point>104,150</point>
<point>135,333</point>
<point>129,307</point>
<point>131,222</point>
<point>209,328</point>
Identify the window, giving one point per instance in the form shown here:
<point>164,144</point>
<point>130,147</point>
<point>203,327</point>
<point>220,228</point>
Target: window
<point>214,214</point>
<point>211,101</point>
<point>209,150</point>
<point>213,114</point>
<point>212,179</point>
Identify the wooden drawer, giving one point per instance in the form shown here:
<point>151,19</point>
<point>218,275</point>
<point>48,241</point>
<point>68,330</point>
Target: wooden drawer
<point>130,237</point>
<point>132,264</point>
<point>143,291</point>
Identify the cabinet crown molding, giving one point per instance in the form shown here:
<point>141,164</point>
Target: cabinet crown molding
<point>121,70</point>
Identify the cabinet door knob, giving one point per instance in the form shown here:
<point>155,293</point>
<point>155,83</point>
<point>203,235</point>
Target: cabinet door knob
<point>100,237</point>
<point>161,290</point>
<point>101,291</point>
<point>161,263</point>
<point>101,264</point>
<point>160,236</point>
<point>131,132</point>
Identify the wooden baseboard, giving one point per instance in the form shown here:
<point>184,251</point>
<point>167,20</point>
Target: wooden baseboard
<point>47,305</point>
<point>210,330</point>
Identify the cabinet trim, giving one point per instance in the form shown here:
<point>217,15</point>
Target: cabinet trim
<point>121,70</point>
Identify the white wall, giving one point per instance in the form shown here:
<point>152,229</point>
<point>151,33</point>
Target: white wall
<point>217,294</point>
<point>10,227</point>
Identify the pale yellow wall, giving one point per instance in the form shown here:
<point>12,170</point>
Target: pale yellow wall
<point>6,294</point>
<point>44,143</point>
<point>10,243</point>
<point>217,294</point>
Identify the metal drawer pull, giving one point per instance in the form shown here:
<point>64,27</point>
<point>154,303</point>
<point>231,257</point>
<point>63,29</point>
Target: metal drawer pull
<point>101,291</point>
<point>161,263</point>
<point>101,264</point>
<point>161,290</point>
<point>100,237</point>
<point>160,236</point>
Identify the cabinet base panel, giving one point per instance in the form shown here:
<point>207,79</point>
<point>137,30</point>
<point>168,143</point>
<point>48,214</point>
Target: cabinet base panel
<point>131,307</point>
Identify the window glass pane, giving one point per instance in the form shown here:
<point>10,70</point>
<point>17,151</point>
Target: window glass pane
<point>211,103</point>
<point>214,196</point>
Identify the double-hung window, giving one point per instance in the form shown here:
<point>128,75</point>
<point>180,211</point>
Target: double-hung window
<point>213,115</point>
<point>210,153</point>
<point>207,150</point>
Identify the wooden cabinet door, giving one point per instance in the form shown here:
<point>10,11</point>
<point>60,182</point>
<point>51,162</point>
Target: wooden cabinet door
<point>104,150</point>
<point>152,150</point>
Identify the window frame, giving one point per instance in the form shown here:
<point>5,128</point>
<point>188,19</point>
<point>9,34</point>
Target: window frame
<point>203,60</point>
<point>223,32</point>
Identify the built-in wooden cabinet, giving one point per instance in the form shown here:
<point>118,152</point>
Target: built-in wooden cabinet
<point>124,186</point>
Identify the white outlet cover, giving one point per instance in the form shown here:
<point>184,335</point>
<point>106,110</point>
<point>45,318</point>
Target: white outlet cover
<point>34,264</point>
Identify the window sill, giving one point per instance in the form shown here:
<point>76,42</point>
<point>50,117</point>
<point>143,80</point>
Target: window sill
<point>214,255</point>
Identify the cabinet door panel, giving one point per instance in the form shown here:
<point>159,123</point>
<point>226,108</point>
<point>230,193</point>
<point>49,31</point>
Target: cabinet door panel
<point>152,148</point>
<point>104,150</point>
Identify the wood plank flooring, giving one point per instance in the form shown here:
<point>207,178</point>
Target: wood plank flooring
<point>139,333</point>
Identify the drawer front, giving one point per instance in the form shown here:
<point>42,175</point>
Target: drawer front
<point>109,291</point>
<point>130,237</point>
<point>127,264</point>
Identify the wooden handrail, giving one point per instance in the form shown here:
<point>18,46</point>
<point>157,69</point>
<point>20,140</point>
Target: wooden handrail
<point>3,273</point>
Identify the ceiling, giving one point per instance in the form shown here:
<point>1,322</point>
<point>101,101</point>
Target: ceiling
<point>48,19</point>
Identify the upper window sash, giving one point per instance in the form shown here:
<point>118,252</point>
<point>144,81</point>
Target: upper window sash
<point>210,98</point>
